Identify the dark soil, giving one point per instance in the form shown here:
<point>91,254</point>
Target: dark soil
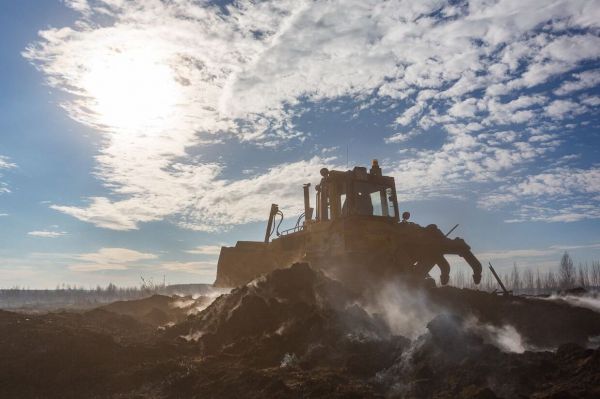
<point>298,334</point>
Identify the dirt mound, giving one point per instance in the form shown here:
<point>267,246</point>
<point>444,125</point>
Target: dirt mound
<point>454,360</point>
<point>155,310</point>
<point>541,323</point>
<point>296,312</point>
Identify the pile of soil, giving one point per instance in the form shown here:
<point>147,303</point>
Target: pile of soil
<point>541,323</point>
<point>296,333</point>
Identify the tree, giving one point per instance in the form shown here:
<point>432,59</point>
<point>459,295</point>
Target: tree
<point>583,276</point>
<point>566,272</point>
<point>111,288</point>
<point>595,274</point>
<point>515,278</point>
<point>528,280</point>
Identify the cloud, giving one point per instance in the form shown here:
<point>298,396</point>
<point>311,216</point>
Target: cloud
<point>94,267</point>
<point>204,268</point>
<point>47,233</point>
<point>560,109</point>
<point>577,191</point>
<point>246,71</point>
<point>517,254</point>
<point>206,250</point>
<point>531,258</point>
<point>584,80</point>
<point>5,164</point>
<point>109,259</point>
<point>116,255</point>
<point>201,201</point>
<point>81,6</point>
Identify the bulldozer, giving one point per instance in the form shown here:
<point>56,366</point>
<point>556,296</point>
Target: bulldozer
<point>355,236</point>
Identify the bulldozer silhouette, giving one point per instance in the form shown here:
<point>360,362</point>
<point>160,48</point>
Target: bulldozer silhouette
<point>356,236</point>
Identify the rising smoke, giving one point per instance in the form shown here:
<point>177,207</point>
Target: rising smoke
<point>408,311</point>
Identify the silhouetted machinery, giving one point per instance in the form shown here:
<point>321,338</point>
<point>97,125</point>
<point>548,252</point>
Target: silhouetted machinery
<point>356,236</point>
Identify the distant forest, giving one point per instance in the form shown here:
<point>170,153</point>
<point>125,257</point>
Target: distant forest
<point>66,296</point>
<point>527,281</point>
<point>519,280</point>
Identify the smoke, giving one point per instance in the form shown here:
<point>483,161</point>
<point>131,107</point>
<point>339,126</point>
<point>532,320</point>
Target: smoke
<point>289,360</point>
<point>197,302</point>
<point>506,337</point>
<point>590,301</point>
<point>192,336</point>
<point>405,310</point>
<point>182,303</point>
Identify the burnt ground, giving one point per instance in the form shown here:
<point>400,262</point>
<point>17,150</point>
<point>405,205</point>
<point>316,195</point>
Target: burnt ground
<point>298,334</point>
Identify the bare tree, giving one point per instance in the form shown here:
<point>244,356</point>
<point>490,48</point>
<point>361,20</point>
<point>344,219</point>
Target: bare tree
<point>583,276</point>
<point>566,272</point>
<point>550,281</point>
<point>515,278</point>
<point>595,274</point>
<point>528,280</point>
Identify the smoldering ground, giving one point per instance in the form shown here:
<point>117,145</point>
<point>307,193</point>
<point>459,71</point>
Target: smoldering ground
<point>298,333</point>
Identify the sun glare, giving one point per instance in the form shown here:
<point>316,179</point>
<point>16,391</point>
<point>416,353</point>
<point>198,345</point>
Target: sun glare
<point>132,92</point>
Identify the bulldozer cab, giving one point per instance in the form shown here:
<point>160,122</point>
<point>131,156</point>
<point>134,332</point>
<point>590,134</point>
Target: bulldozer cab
<point>355,193</point>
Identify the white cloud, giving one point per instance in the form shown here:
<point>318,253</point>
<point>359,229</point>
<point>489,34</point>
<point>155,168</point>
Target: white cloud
<point>560,195</point>
<point>401,137</point>
<point>560,109</point>
<point>592,101</point>
<point>109,259</point>
<point>516,254</point>
<point>206,250</point>
<point>247,71</point>
<point>5,164</point>
<point>410,113</point>
<point>531,257</point>
<point>47,233</point>
<point>204,268</point>
<point>584,80</point>
<point>95,267</point>
<point>466,108</point>
<point>115,255</point>
<point>81,6</point>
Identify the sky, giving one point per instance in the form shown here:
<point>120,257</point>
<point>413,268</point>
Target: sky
<point>137,137</point>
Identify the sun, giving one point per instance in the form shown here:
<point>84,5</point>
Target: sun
<point>131,91</point>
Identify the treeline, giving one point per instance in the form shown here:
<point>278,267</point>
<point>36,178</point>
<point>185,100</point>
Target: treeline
<point>525,280</point>
<point>67,296</point>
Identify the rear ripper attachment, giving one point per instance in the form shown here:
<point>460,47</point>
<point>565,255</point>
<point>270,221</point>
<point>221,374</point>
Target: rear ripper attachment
<point>356,236</point>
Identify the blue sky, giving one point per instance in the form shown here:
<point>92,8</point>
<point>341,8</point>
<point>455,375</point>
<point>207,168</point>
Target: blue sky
<point>137,137</point>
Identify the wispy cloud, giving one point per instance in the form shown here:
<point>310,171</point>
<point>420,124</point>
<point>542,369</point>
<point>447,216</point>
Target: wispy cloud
<point>109,259</point>
<point>47,233</point>
<point>582,81</point>
<point>204,268</point>
<point>532,257</point>
<point>206,250</point>
<point>578,191</point>
<point>474,70</point>
<point>5,164</point>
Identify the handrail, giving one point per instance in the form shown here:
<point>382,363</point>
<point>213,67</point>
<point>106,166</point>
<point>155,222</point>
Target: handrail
<point>292,230</point>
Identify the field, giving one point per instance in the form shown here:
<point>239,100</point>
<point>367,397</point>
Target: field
<point>296,333</point>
